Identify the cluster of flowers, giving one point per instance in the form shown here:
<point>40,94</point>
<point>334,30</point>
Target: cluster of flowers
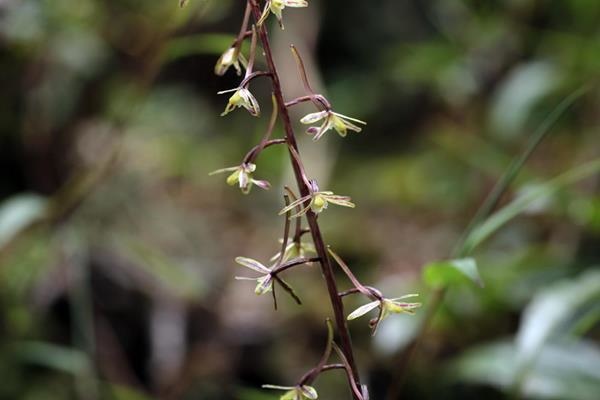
<point>294,250</point>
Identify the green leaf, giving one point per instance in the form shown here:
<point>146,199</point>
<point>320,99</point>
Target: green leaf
<point>52,356</point>
<point>520,204</point>
<point>445,273</point>
<point>17,213</point>
<point>551,310</point>
<point>564,369</point>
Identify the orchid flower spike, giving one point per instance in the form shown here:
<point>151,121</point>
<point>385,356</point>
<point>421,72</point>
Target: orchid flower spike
<point>264,283</point>
<point>276,7</point>
<point>242,175</point>
<point>295,392</point>
<point>317,201</point>
<point>386,307</point>
<point>241,98</point>
<point>341,123</point>
<point>231,57</point>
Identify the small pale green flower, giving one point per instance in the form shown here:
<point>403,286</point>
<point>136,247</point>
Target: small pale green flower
<point>242,176</point>
<point>295,392</point>
<point>339,122</point>
<point>276,7</point>
<point>387,307</point>
<point>317,202</point>
<point>241,98</point>
<point>231,57</point>
<point>294,250</point>
<point>264,283</point>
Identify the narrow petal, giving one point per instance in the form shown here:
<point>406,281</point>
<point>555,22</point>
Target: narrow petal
<point>349,118</point>
<point>341,201</point>
<point>351,126</point>
<point>301,212</point>
<point>406,296</point>
<point>313,117</point>
<point>277,387</point>
<point>262,184</point>
<point>228,91</point>
<point>294,204</point>
<point>219,171</point>
<point>323,128</point>
<point>264,15</point>
<point>362,310</point>
<point>295,3</point>
<point>244,278</point>
<point>252,264</point>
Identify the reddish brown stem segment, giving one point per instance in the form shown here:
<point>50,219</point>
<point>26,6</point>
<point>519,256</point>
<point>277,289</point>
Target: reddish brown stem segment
<point>321,248</point>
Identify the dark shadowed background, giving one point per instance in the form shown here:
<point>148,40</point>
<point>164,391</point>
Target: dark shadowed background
<point>117,248</point>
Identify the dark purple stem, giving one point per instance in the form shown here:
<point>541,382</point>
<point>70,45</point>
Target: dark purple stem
<point>326,267</point>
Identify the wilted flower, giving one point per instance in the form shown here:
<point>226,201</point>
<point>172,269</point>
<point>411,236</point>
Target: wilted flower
<point>241,98</point>
<point>318,201</point>
<point>295,392</point>
<point>277,6</point>
<point>294,250</point>
<point>387,307</point>
<point>242,175</point>
<point>232,56</point>
<point>333,120</point>
<point>264,282</point>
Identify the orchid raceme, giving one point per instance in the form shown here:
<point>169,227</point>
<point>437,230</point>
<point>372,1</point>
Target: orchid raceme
<point>241,98</point>
<point>339,122</point>
<point>317,202</point>
<point>264,283</point>
<point>231,57</point>
<point>276,7</point>
<point>242,176</point>
<point>295,392</point>
<point>294,250</point>
<point>387,307</point>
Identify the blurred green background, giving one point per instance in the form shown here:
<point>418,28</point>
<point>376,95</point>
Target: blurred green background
<point>116,247</point>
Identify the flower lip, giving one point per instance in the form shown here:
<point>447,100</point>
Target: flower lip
<point>241,97</point>
<point>242,175</point>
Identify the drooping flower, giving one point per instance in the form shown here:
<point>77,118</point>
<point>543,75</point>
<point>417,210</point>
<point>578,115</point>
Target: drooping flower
<point>231,57</point>
<point>295,392</point>
<point>264,283</point>
<point>241,98</point>
<point>341,123</point>
<point>387,307</point>
<point>242,175</point>
<point>317,201</point>
<point>294,250</point>
<point>276,7</point>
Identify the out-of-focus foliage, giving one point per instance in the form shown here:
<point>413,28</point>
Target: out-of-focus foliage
<point>117,248</point>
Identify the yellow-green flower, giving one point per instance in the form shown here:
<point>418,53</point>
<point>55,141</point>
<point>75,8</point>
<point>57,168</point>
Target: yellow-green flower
<point>317,202</point>
<point>387,307</point>
<point>276,7</point>
<point>264,283</point>
<point>241,98</point>
<point>242,176</point>
<point>231,57</point>
<point>341,123</point>
<point>295,392</point>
